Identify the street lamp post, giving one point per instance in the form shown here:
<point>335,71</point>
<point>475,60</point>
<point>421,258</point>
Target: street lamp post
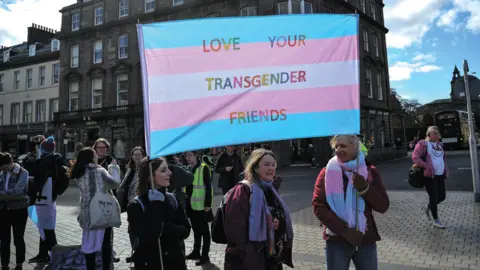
<point>472,137</point>
<point>404,131</point>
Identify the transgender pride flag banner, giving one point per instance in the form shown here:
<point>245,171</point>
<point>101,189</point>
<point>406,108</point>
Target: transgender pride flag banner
<point>228,81</point>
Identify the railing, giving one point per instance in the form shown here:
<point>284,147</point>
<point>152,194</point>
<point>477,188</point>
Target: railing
<point>106,112</point>
<point>40,127</point>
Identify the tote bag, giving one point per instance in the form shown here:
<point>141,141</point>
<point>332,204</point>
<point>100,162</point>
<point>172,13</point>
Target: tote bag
<point>104,210</point>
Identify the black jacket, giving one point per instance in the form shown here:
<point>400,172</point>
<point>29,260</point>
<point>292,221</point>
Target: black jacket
<point>104,162</point>
<point>159,218</point>
<point>47,166</point>
<point>231,178</point>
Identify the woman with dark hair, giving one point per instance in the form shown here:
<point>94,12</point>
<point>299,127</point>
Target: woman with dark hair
<point>157,220</point>
<point>91,177</point>
<point>128,188</point>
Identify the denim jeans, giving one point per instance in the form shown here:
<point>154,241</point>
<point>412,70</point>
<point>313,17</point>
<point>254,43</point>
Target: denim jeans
<point>339,256</point>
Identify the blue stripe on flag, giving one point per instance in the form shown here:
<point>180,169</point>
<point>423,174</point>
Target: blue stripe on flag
<point>221,132</point>
<point>32,213</point>
<point>191,33</point>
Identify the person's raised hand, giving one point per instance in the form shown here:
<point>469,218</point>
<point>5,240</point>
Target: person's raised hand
<point>359,182</point>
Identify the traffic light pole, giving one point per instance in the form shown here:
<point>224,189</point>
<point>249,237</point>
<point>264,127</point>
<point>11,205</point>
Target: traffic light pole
<point>472,137</point>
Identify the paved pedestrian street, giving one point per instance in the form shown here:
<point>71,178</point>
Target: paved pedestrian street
<point>408,240</point>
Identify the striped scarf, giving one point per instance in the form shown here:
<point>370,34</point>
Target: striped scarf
<point>345,207</point>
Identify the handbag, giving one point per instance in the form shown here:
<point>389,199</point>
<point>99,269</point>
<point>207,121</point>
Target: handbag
<point>104,210</point>
<point>416,179</point>
<point>71,258</point>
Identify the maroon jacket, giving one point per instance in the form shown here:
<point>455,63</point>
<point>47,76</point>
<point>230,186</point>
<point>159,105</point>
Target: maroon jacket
<point>376,198</point>
<point>240,253</point>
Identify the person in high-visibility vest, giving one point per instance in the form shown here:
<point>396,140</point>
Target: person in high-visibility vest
<point>199,207</point>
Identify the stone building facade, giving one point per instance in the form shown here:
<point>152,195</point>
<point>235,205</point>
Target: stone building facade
<point>29,89</point>
<point>100,87</point>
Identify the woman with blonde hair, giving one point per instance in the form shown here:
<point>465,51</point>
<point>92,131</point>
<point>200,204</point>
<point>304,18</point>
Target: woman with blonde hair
<point>429,156</point>
<point>350,231</point>
<point>258,226</point>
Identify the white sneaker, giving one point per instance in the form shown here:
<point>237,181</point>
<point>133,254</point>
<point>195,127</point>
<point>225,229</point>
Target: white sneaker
<point>437,223</point>
<point>426,210</point>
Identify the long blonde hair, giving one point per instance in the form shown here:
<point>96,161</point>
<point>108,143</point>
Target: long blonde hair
<point>253,161</point>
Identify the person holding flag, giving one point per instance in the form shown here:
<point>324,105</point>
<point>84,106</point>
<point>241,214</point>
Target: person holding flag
<point>347,181</point>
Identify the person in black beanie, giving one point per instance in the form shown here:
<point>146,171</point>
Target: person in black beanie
<point>101,147</point>
<point>49,180</point>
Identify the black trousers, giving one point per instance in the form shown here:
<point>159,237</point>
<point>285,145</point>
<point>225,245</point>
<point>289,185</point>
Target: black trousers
<point>15,220</point>
<point>106,252</point>
<point>436,193</point>
<point>47,244</point>
<point>200,230</point>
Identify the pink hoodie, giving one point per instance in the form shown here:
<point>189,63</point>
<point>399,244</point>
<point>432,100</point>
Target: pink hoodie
<point>418,152</point>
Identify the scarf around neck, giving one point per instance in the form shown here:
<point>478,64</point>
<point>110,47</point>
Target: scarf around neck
<point>261,220</point>
<point>344,206</point>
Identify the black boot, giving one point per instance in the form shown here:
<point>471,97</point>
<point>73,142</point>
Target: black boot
<point>195,255</point>
<point>203,260</point>
<point>42,256</point>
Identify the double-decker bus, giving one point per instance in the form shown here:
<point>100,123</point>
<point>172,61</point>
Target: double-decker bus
<point>453,125</point>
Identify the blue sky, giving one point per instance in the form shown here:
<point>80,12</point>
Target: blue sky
<point>426,39</point>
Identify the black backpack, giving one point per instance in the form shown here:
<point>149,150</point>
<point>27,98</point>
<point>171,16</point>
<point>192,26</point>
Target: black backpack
<point>62,182</point>
<point>219,235</point>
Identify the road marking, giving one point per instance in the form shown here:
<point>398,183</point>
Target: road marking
<point>465,168</point>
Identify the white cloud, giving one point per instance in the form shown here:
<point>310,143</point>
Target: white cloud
<point>429,57</point>
<point>401,71</point>
<point>448,20</point>
<point>410,20</point>
<point>14,23</point>
<point>427,68</point>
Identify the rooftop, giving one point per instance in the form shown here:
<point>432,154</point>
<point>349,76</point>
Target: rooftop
<point>41,44</point>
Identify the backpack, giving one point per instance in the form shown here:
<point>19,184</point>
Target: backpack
<point>62,182</point>
<point>219,235</point>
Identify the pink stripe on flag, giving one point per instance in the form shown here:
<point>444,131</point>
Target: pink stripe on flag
<point>195,111</point>
<point>251,55</point>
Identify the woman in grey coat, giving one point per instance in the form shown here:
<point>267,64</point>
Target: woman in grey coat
<point>89,175</point>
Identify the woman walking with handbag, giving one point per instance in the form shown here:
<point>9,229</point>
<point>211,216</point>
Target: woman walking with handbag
<point>97,203</point>
<point>158,220</point>
<point>429,156</point>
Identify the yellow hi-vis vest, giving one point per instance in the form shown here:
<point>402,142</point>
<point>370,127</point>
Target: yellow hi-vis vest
<point>197,201</point>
